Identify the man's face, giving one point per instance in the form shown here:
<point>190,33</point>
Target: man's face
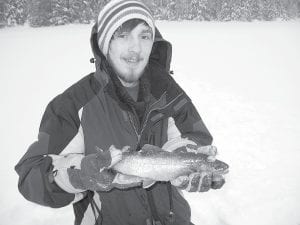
<point>129,53</point>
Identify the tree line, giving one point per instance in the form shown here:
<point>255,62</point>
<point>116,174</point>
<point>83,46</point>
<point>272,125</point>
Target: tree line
<point>58,12</point>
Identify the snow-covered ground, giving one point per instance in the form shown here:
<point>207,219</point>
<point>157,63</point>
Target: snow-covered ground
<point>244,79</point>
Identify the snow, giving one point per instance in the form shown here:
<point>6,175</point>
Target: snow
<point>242,77</point>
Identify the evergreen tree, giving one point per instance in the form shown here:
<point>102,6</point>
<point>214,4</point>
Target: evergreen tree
<point>56,12</point>
<point>96,6</point>
<point>40,12</point>
<point>176,10</point>
<point>242,10</point>
<point>204,9</point>
<point>269,10</point>
<point>291,8</point>
<point>298,6</point>
<point>60,12</point>
<point>82,11</point>
<point>256,12</point>
<point>14,12</point>
<point>225,13</point>
<point>197,9</point>
<point>3,21</point>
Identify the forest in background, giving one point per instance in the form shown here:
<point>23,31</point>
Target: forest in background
<point>39,13</point>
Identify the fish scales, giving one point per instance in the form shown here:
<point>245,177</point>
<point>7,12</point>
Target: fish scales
<point>155,164</point>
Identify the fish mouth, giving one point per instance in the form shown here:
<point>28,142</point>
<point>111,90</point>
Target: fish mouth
<point>221,172</point>
<point>220,167</point>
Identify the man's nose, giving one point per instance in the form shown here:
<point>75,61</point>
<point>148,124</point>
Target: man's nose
<point>134,45</point>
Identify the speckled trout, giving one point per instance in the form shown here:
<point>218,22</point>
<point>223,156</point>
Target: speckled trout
<point>154,164</point>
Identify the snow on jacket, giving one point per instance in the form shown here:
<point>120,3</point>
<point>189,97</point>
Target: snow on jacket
<point>95,111</point>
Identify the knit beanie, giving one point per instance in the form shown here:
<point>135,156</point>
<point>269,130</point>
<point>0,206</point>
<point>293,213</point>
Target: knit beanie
<point>114,14</point>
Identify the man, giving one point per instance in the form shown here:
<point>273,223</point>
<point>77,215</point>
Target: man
<point>131,100</point>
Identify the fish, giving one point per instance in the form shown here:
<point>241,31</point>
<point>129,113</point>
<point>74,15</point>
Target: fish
<point>153,164</point>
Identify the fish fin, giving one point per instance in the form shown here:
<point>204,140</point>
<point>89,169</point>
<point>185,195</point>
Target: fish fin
<point>179,150</point>
<point>148,149</point>
<point>125,149</point>
<point>148,183</point>
<point>98,149</point>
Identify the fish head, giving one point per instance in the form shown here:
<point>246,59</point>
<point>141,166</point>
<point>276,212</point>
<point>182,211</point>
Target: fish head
<point>219,167</point>
<point>203,163</point>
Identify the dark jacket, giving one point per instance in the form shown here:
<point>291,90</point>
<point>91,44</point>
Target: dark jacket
<point>101,108</point>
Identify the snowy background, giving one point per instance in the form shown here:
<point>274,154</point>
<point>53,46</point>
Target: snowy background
<point>244,79</point>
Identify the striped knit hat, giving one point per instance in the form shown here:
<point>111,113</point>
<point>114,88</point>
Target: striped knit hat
<point>114,14</point>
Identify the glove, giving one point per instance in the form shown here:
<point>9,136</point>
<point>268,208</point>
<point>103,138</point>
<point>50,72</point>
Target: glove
<point>199,181</point>
<point>214,181</point>
<point>209,150</point>
<point>95,173</point>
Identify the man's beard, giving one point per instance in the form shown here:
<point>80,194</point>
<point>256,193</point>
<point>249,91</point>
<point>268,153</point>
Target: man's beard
<point>130,78</point>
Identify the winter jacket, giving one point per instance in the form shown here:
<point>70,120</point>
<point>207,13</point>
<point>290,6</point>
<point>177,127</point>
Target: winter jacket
<point>96,111</point>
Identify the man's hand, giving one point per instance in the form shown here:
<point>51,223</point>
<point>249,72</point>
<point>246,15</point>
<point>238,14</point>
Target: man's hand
<point>95,173</point>
<point>200,181</point>
<point>101,160</point>
<point>209,150</point>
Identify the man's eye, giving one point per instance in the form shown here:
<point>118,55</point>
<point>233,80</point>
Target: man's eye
<point>146,36</point>
<point>122,35</point>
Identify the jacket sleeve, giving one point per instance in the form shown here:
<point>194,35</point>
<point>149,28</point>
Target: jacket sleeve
<point>190,124</point>
<point>187,119</point>
<point>35,169</point>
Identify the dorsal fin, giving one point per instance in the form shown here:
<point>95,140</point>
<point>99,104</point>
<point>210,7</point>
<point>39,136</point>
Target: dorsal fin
<point>148,149</point>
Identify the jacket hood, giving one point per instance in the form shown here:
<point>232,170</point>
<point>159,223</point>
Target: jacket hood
<point>161,50</point>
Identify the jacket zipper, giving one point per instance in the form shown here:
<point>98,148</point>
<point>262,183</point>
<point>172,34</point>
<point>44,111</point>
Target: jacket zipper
<point>152,206</point>
<point>134,127</point>
<point>138,134</point>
